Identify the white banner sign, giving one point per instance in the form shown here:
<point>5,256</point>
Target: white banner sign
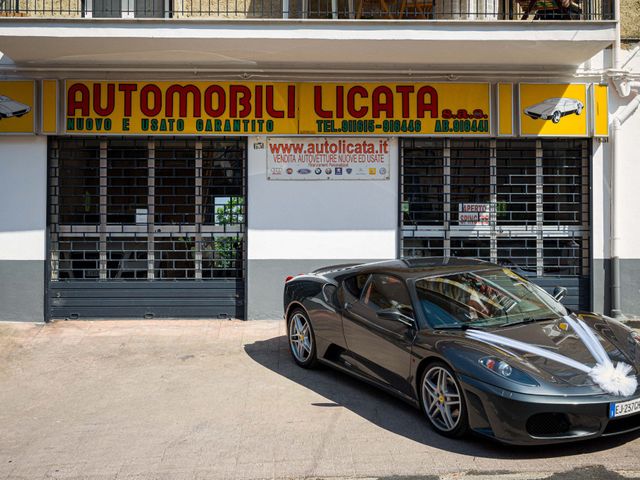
<point>473,214</point>
<point>321,158</point>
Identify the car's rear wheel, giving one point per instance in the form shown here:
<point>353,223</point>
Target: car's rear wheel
<point>555,118</point>
<point>443,402</point>
<point>302,340</point>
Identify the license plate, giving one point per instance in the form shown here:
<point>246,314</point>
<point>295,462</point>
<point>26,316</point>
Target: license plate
<point>624,408</point>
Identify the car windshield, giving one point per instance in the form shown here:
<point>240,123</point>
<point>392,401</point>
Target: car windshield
<point>484,298</point>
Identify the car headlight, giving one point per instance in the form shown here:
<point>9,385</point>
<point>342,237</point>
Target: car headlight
<point>503,369</point>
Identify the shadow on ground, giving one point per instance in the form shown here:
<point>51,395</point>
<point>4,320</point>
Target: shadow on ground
<point>396,416</point>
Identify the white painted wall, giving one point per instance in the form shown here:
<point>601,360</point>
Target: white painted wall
<point>345,219</point>
<point>23,200</point>
<point>630,164</point>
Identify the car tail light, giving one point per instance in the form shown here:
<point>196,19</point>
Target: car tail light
<point>291,277</point>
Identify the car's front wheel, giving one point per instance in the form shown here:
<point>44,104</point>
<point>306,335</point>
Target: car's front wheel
<point>443,401</point>
<point>555,118</point>
<point>302,340</point>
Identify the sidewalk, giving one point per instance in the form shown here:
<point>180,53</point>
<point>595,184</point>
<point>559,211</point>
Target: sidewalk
<point>222,399</point>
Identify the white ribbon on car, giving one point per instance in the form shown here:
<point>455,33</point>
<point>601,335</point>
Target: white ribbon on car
<point>612,379</point>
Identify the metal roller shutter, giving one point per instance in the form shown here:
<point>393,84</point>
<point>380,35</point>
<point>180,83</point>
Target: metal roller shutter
<point>536,195</point>
<point>146,227</point>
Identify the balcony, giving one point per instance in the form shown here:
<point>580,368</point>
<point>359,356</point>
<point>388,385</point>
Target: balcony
<point>581,10</point>
<point>306,38</point>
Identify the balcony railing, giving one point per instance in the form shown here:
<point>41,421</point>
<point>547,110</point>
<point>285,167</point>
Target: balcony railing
<point>315,9</point>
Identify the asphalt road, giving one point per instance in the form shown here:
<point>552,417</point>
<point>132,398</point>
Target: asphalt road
<point>223,399</point>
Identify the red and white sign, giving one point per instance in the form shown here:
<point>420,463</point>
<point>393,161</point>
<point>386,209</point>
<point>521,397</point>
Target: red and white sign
<point>328,158</point>
<point>473,214</point>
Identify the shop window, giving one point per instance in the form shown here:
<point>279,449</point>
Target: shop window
<point>127,182</point>
<point>175,174</point>
<point>78,258</point>
<point>77,190</point>
<point>516,182</point>
<point>476,248</point>
<point>422,187</point>
<point>127,258</point>
<point>175,255</point>
<point>222,183</point>
<point>470,175</point>
<point>532,196</point>
<point>520,253</point>
<point>222,256</point>
<point>565,256</point>
<point>423,247</point>
<point>147,209</point>
<point>564,199</point>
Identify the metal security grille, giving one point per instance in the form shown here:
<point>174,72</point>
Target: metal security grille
<point>147,227</point>
<point>534,201</point>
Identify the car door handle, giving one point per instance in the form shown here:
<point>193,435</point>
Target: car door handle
<point>347,306</point>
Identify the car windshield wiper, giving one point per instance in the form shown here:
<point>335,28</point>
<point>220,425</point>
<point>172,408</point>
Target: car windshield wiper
<point>461,326</point>
<point>529,320</point>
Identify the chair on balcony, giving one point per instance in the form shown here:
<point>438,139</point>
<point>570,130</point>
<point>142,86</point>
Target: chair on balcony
<point>417,9</point>
<point>398,9</point>
<point>551,9</point>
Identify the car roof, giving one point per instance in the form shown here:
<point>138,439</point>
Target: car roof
<point>417,267</point>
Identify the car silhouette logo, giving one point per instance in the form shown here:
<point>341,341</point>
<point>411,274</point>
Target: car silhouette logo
<point>554,109</point>
<point>11,108</point>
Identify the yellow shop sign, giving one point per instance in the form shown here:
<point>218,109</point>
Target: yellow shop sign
<point>281,108</point>
<point>17,100</point>
<point>399,108</point>
<point>558,110</point>
<point>180,108</point>
<point>276,108</point>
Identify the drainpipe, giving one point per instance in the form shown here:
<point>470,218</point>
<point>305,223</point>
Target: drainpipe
<point>624,89</point>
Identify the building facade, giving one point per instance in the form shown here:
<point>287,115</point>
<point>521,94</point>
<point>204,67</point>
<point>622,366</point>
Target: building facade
<point>182,158</point>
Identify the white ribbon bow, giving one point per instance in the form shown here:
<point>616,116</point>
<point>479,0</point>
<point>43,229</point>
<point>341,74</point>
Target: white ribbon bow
<point>612,379</point>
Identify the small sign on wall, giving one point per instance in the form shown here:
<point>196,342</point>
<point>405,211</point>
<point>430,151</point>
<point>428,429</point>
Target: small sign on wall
<point>473,214</point>
<point>327,158</point>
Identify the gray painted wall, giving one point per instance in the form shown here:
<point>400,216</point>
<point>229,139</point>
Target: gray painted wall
<point>601,285</point>
<point>22,290</point>
<point>265,283</point>
<point>630,286</point>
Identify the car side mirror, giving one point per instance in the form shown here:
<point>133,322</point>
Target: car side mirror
<point>397,316</point>
<point>559,293</point>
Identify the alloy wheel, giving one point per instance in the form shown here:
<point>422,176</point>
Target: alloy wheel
<point>300,339</point>
<point>441,399</point>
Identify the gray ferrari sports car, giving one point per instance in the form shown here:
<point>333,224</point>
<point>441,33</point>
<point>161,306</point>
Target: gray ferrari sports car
<point>473,344</point>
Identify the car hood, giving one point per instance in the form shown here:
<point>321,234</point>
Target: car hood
<point>558,337</point>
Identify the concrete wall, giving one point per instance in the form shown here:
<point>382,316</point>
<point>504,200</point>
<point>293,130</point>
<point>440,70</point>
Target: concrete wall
<point>629,19</point>
<point>629,250</point>
<point>23,205</point>
<point>296,226</point>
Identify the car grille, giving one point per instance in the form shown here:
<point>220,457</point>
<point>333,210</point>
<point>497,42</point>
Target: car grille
<point>548,424</point>
<point>624,424</point>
